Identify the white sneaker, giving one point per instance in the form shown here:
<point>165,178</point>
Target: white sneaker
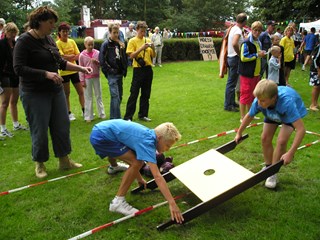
<point>271,182</point>
<point>303,67</point>
<point>6,133</point>
<point>72,117</point>
<point>20,127</point>
<point>122,207</point>
<point>120,168</point>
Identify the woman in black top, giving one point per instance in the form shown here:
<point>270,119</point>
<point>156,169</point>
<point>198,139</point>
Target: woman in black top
<point>36,61</point>
<point>9,81</point>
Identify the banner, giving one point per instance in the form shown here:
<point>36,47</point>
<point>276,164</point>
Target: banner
<point>207,49</point>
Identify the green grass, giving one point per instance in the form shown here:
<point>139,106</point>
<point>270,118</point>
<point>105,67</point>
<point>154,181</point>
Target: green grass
<point>190,95</point>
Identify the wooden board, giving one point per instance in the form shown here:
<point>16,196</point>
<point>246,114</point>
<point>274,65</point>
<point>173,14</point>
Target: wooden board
<point>227,174</point>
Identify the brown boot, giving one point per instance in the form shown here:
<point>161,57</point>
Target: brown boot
<point>41,170</point>
<point>65,163</point>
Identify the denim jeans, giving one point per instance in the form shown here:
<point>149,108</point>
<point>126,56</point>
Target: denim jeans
<point>47,110</point>
<point>233,76</point>
<point>115,87</point>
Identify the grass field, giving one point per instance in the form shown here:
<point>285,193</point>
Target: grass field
<point>190,95</point>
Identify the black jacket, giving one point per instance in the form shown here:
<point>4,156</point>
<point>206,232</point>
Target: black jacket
<point>113,58</point>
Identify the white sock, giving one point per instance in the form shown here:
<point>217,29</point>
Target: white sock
<point>16,124</point>
<point>3,127</point>
<point>119,199</point>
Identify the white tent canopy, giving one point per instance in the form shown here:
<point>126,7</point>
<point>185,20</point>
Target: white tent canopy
<point>309,25</point>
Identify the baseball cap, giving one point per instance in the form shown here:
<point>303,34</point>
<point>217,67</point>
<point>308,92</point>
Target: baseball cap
<point>273,23</point>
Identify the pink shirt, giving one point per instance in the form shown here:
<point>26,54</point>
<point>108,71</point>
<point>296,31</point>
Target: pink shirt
<point>85,60</point>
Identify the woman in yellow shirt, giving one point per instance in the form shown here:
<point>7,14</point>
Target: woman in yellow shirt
<point>289,57</point>
<point>69,51</point>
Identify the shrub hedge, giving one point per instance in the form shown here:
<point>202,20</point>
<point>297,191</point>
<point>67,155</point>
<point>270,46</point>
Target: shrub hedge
<point>175,49</point>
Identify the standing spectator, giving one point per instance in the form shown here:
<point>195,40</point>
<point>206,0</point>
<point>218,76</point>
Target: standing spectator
<point>165,34</point>
<point>121,35</point>
<point>113,61</point>
<point>130,34</point>
<point>249,67</point>
<point>9,81</point>
<point>235,40</point>
<point>315,79</point>
<point>36,61</point>
<point>141,50</point>
<point>310,42</point>
<point>265,39</point>
<point>90,58</point>
<point>289,56</point>
<point>301,48</point>
<point>274,64</point>
<point>275,42</point>
<point>278,33</point>
<point>2,24</point>
<point>158,45</point>
<point>70,52</point>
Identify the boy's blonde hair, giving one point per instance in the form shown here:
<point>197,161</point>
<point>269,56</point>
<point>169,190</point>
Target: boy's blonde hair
<point>266,89</point>
<point>168,131</point>
<point>275,49</point>
<point>11,27</point>
<point>257,25</point>
<point>87,39</point>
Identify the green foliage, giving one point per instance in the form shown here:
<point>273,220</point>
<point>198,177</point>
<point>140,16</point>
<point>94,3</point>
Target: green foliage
<point>286,10</point>
<point>174,49</point>
<point>63,7</point>
<point>191,95</point>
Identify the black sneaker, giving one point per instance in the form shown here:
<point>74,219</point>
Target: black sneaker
<point>232,109</point>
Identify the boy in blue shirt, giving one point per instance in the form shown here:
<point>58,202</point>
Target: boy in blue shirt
<point>279,105</point>
<point>135,144</point>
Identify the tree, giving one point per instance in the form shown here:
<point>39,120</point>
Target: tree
<point>283,10</point>
<point>64,7</point>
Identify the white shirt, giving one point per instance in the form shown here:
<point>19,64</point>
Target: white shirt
<point>235,30</point>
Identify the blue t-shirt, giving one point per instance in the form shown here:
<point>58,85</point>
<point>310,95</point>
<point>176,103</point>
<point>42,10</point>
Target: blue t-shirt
<point>311,41</point>
<point>288,109</point>
<point>140,139</point>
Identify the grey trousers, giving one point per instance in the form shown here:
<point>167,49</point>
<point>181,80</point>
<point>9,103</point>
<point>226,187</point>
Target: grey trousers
<point>47,110</point>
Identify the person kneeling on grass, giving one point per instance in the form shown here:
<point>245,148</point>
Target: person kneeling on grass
<point>279,105</point>
<point>135,144</point>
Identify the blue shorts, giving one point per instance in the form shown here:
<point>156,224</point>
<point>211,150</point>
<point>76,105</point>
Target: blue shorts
<point>267,120</point>
<point>105,148</point>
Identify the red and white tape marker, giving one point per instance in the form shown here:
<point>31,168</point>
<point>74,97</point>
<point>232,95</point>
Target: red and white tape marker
<point>214,136</point>
<point>313,133</point>
<point>50,180</point>
<point>148,209</point>
<point>308,144</point>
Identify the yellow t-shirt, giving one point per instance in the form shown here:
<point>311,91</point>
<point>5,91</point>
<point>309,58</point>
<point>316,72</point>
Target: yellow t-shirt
<point>134,44</point>
<point>288,45</point>
<point>67,48</point>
